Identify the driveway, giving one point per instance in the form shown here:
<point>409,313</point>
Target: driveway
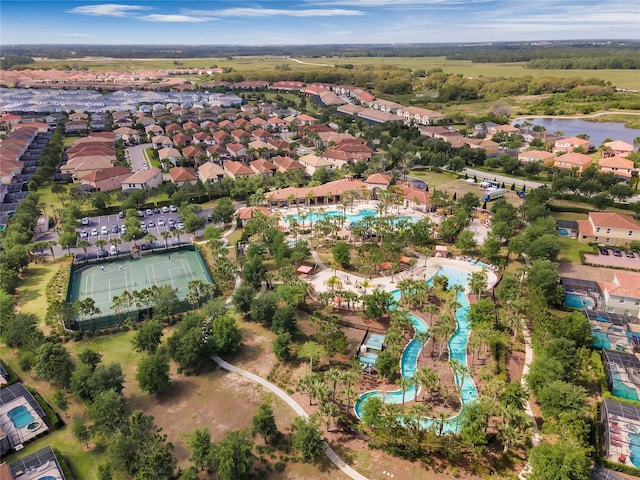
<point>136,156</point>
<point>612,261</point>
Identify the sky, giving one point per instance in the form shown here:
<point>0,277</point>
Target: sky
<point>304,22</point>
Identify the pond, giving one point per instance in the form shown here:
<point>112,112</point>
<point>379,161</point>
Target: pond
<point>597,131</point>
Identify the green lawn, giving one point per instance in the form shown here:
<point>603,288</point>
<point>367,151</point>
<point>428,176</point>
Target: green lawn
<point>570,248</point>
<point>150,157</point>
<point>68,141</point>
<point>434,179</point>
<point>51,201</point>
<point>33,287</point>
<point>83,462</point>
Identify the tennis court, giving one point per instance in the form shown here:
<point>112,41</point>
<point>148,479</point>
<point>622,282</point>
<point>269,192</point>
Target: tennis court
<point>103,281</point>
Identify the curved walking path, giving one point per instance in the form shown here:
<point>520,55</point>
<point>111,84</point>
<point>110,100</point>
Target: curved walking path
<point>310,63</point>
<point>316,258</point>
<point>331,454</point>
<point>528,358</point>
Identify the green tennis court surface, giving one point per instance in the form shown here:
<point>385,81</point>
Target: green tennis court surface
<point>104,281</point>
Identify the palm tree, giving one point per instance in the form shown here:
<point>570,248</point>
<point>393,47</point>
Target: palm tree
<point>83,244</point>
<point>461,372</point>
<point>429,379</point>
<point>100,243</point>
<point>366,283</point>
<point>333,283</point>
<point>115,241</point>
<point>165,235</point>
<point>404,383</point>
<point>150,239</point>
<point>423,338</point>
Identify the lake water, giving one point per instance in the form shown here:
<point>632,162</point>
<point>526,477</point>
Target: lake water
<point>597,131</point>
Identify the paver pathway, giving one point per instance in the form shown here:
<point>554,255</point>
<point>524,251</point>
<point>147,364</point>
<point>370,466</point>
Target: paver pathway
<point>528,358</point>
<point>331,454</point>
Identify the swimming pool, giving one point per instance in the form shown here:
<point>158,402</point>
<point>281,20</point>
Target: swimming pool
<point>20,416</point>
<point>350,218</point>
<point>457,351</point>
<point>576,300</point>
<point>620,388</point>
<point>563,232</point>
<point>601,340</point>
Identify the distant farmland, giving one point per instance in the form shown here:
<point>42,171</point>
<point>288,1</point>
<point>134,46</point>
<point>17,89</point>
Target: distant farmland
<point>620,78</point>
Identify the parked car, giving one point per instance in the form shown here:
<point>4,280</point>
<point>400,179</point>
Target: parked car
<point>630,254</point>
<point>113,250</point>
<point>102,253</point>
<point>165,209</point>
<point>123,229</point>
<point>180,225</point>
<point>143,225</point>
<point>120,214</point>
<point>149,212</point>
<point>603,251</point>
<point>115,228</point>
<point>84,234</point>
<point>161,222</point>
<point>86,221</point>
<point>156,210</point>
<point>94,232</point>
<point>617,253</point>
<point>140,213</point>
<point>151,224</point>
<point>173,208</point>
<point>104,230</point>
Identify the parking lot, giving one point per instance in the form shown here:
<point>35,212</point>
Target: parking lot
<point>107,227</point>
<point>614,258</point>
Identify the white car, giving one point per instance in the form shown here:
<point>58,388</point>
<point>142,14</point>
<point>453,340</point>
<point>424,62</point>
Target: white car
<point>173,208</point>
<point>113,250</point>
<point>165,209</point>
<point>161,222</point>
<point>180,225</point>
<point>94,232</point>
<point>104,230</point>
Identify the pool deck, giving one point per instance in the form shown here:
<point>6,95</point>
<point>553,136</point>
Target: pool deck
<point>625,427</point>
<point>19,436</point>
<point>47,469</point>
<point>425,268</point>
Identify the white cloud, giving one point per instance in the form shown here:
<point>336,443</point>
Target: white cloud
<point>276,12</point>
<point>175,18</point>
<point>107,9</point>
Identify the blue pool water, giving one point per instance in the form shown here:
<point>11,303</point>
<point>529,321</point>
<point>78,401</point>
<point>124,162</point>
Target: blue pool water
<point>621,389</point>
<point>634,446</point>
<point>563,232</point>
<point>575,300</point>
<point>349,217</point>
<point>601,340</point>
<point>20,416</point>
<point>457,351</point>
<point>48,477</point>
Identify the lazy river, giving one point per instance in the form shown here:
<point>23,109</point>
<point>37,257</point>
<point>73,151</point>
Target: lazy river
<point>457,351</point>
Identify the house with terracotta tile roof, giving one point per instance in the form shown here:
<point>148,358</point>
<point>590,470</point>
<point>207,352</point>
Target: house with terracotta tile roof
<point>420,116</point>
<point>143,180</point>
<point>76,126</point>
<point>166,155</point>
<point>210,172</point>
<point>218,153</point>
<point>258,121</point>
<point>622,294</point>
<point>128,135</point>
<point>160,141</point>
<point>237,170</point>
<point>378,181</point>
<point>544,158</point>
<point>608,229</point>
<point>619,166</point>
<point>312,163</point>
<point>240,135</point>
<point>153,130</point>
<point>322,194</point>
<point>262,135</point>
<point>80,166</point>
<point>221,137</point>
<point>247,213</point>
<point>194,154</point>
<point>287,164</point>
<point>618,148</point>
<point>186,126</point>
<point>105,180</point>
<point>279,144</point>
<point>263,167</point>
<point>181,140</point>
<point>568,145</point>
<point>236,150</point>
<point>182,175</point>
<point>414,197</point>
<point>573,161</point>
<point>173,128</point>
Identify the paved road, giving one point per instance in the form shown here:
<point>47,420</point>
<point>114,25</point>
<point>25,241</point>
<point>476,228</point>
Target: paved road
<point>502,178</point>
<point>331,454</point>
<point>136,156</point>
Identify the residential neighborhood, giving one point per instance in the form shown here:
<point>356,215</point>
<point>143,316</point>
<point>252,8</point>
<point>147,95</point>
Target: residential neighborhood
<point>403,284</point>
